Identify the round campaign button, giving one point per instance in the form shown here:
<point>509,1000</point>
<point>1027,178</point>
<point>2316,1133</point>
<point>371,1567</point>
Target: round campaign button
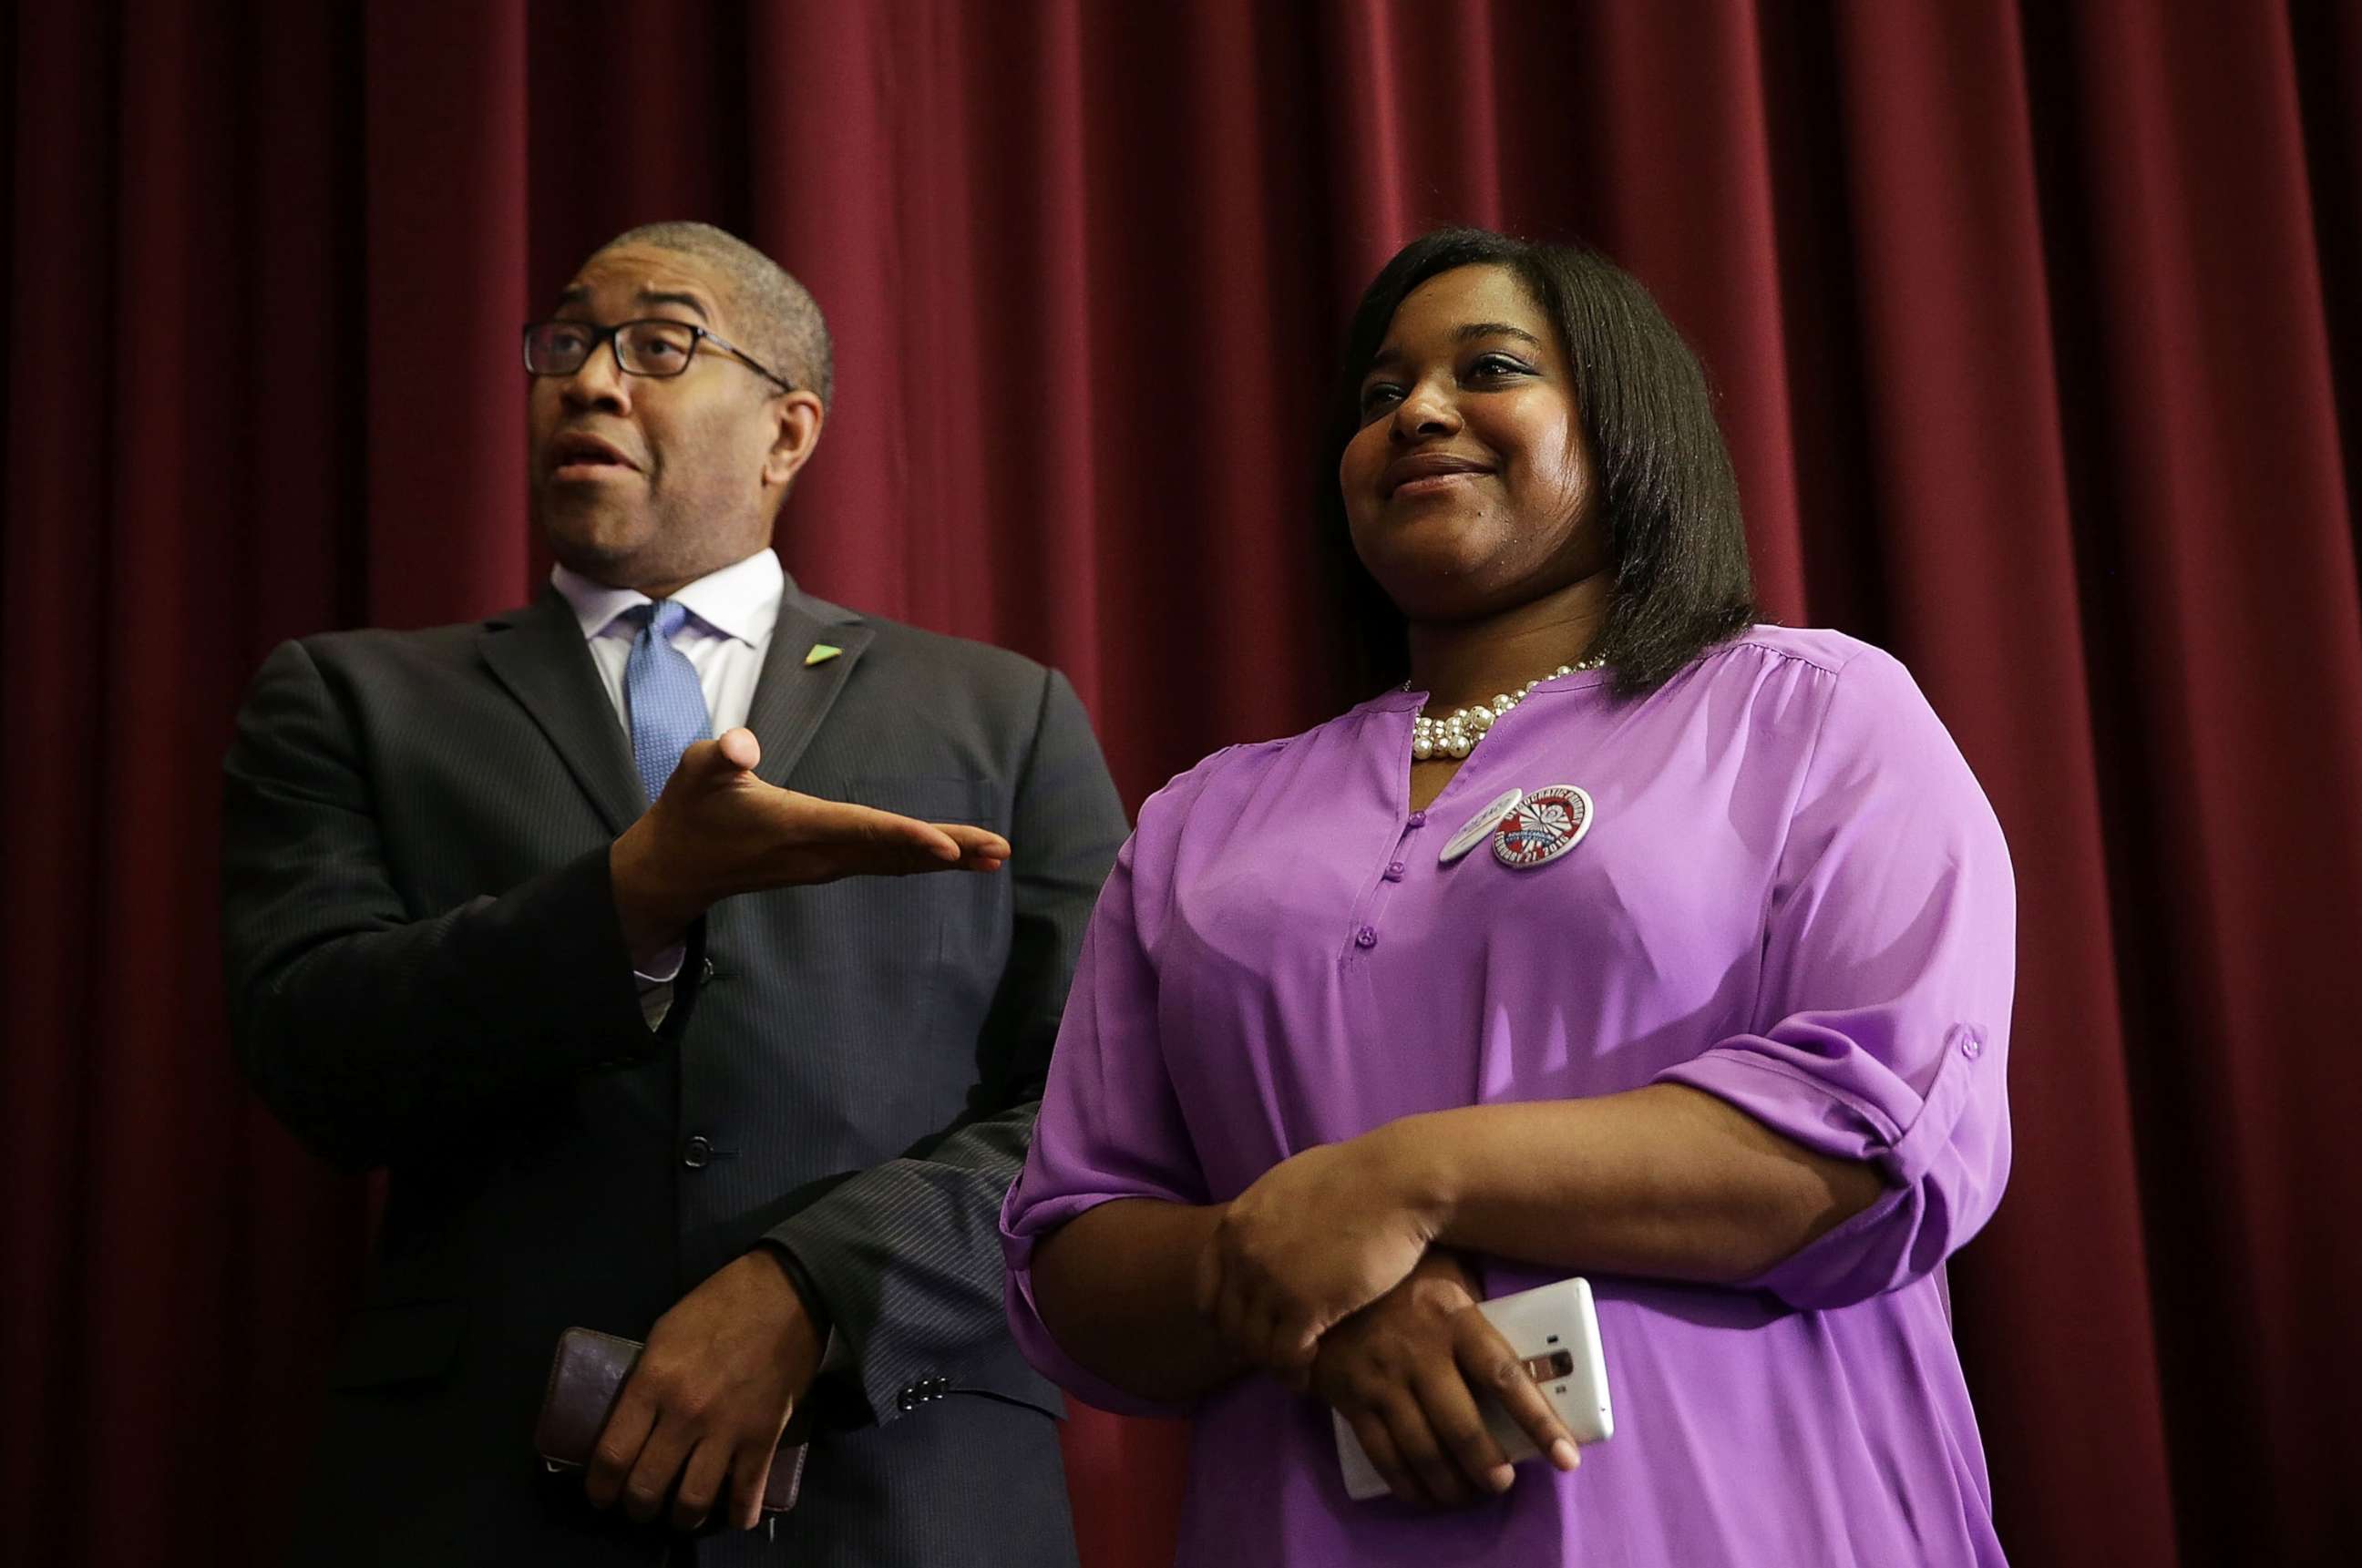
<point>1543,826</point>
<point>1472,832</point>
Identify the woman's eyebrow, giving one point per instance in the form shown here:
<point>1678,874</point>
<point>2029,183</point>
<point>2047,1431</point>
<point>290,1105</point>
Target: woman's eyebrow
<point>1475,329</point>
<point>1392,354</point>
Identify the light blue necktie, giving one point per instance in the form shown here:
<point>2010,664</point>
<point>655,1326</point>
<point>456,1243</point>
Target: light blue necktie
<point>660,692</point>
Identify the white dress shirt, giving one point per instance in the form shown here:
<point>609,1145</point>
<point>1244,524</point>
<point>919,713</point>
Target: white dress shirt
<point>725,635</point>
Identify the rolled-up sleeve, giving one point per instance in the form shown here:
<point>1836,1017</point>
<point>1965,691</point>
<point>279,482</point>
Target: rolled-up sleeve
<point>1110,1126</point>
<point>1889,962</point>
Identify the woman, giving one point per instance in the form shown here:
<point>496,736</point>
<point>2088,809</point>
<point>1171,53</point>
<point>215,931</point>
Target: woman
<point>1734,1050</point>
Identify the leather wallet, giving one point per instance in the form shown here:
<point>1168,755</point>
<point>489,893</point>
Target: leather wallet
<point>585,1376</point>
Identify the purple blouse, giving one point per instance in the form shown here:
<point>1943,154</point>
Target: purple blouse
<point>1793,896</point>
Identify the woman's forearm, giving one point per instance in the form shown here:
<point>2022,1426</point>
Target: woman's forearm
<point>1663,1180</point>
<point>1117,1288</point>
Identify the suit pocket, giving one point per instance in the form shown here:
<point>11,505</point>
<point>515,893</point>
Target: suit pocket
<point>405,1341</point>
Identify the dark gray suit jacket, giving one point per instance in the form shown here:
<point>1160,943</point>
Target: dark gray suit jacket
<point>427,973</point>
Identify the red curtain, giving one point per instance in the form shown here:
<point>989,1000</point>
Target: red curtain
<point>2037,328</point>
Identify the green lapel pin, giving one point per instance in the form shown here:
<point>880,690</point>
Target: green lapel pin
<point>820,654</point>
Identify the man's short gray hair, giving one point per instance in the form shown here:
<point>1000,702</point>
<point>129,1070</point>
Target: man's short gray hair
<point>773,317</point>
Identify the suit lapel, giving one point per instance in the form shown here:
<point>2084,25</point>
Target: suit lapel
<point>792,697</point>
<point>539,655</point>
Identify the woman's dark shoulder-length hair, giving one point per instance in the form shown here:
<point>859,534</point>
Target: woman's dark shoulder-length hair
<point>1663,480</point>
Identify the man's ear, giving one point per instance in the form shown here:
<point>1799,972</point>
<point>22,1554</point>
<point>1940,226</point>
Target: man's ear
<point>795,432</point>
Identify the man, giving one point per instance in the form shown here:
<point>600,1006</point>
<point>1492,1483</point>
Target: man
<point>717,1071</point>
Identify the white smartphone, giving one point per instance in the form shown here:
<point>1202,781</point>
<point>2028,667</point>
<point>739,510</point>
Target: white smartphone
<point>1556,1329</point>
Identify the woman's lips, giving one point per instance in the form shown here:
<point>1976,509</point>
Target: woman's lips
<point>1431,484</point>
<point>1429,473</point>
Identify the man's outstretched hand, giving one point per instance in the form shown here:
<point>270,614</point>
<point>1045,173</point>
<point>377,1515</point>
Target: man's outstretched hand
<point>718,830</point>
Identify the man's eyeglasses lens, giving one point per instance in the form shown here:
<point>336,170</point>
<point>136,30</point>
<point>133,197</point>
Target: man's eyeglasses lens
<point>642,348</point>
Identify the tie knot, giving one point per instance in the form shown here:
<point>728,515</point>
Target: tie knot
<point>664,614</point>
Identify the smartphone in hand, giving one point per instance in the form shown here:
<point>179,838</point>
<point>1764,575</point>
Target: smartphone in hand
<point>1556,1328</point>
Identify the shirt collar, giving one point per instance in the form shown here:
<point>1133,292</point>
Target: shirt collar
<point>741,601</point>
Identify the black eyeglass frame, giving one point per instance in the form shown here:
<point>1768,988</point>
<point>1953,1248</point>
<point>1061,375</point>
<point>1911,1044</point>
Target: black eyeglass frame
<point>611,336</point>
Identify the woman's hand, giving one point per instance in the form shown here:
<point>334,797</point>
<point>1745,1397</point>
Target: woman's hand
<point>1404,1372</point>
<point>1318,1237</point>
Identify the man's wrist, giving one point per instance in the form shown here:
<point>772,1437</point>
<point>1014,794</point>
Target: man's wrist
<point>652,921</point>
<point>800,1283</point>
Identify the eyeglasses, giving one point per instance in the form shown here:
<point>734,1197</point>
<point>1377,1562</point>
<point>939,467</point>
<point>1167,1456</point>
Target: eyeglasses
<point>650,348</point>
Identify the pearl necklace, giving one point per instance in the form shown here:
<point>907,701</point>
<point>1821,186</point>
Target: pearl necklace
<point>1457,735</point>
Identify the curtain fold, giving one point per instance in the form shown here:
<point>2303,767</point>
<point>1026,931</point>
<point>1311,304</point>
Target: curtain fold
<point>2035,329</point>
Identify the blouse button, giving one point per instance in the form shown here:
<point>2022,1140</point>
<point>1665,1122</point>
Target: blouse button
<point>1367,937</point>
<point>1395,872</point>
<point>1419,819</point>
<point>1972,1044</point>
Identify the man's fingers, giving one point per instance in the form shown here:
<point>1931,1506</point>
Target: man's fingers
<point>946,845</point>
<point>659,1464</point>
<point>817,840</point>
<point>697,760</point>
<point>750,1473</point>
<point>740,748</point>
<point>736,752</point>
<point>974,843</point>
<point>1489,1364</point>
<point>851,823</point>
<point>618,1448</point>
<point>701,1483</point>
<point>949,843</point>
<point>929,840</point>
